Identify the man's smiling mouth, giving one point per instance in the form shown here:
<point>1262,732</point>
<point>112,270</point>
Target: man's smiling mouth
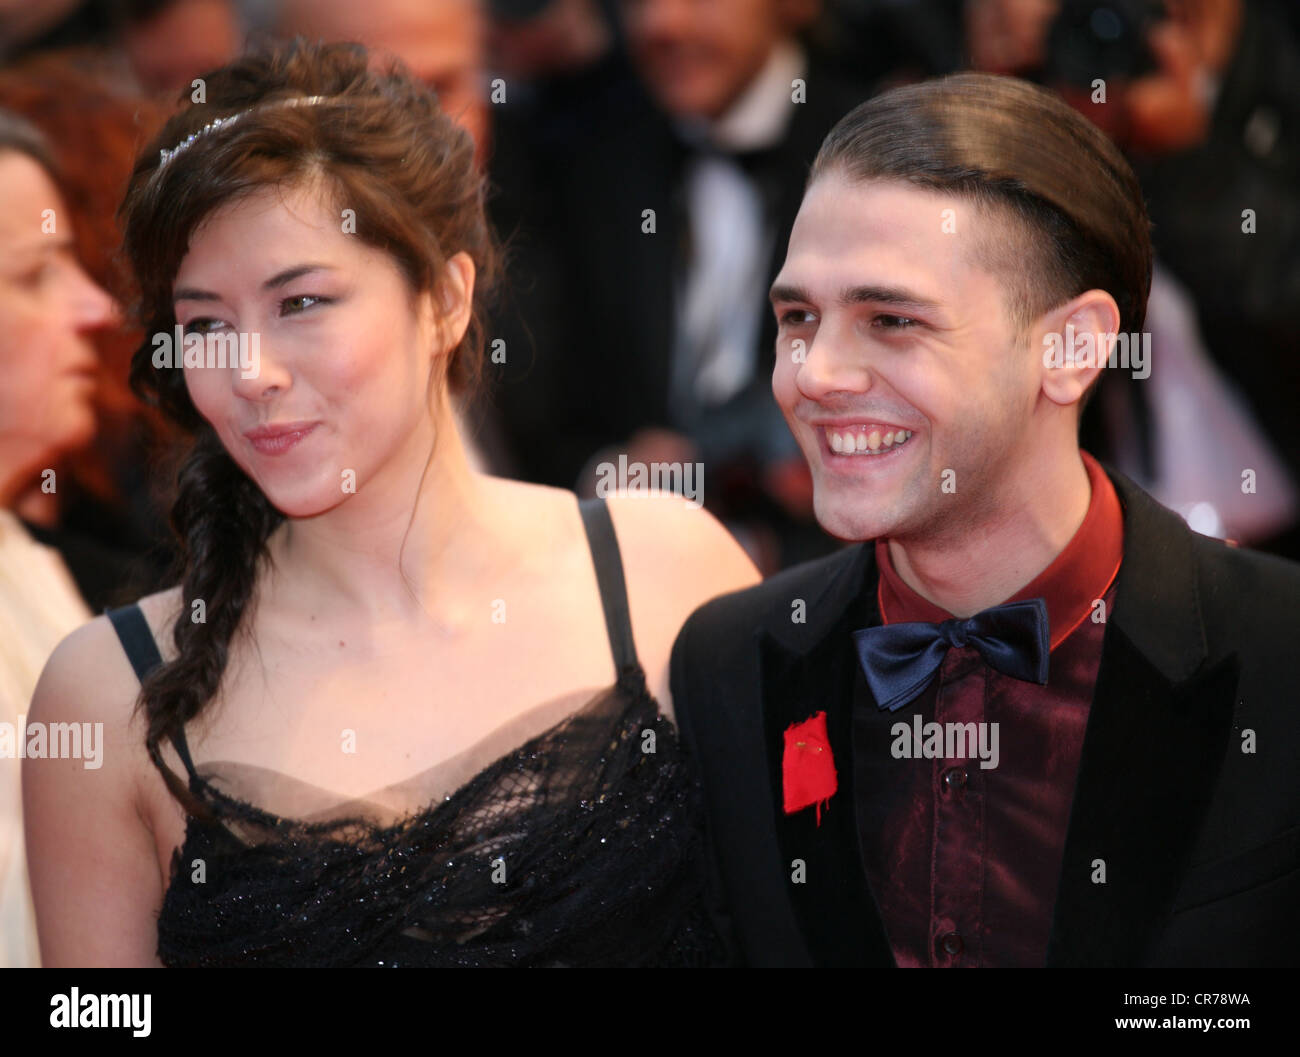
<point>865,439</point>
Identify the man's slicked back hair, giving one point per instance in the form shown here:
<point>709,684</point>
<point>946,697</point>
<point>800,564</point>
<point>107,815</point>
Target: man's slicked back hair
<point>1068,202</point>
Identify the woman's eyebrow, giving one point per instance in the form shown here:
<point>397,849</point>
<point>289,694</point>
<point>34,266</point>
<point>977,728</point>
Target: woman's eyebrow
<point>189,293</point>
<point>41,245</point>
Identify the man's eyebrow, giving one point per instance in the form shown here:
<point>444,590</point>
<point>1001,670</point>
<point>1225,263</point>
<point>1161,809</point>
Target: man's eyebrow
<point>189,293</point>
<point>786,292</point>
<point>896,297</point>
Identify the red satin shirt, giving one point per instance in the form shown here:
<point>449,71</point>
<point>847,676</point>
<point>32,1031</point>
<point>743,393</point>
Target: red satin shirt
<point>964,857</point>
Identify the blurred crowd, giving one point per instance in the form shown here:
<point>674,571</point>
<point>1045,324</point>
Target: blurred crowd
<point>646,159</point>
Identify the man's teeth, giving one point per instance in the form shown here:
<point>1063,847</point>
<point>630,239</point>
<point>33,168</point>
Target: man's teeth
<point>855,442</point>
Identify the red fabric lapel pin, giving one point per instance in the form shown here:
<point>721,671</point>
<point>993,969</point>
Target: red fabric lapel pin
<point>807,768</point>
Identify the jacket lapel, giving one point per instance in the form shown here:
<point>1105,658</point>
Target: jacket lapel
<point>1161,716</point>
<point>806,669</point>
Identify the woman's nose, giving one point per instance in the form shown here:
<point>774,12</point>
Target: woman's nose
<point>259,373</point>
<point>92,306</point>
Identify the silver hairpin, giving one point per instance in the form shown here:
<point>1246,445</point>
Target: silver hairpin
<point>230,119</point>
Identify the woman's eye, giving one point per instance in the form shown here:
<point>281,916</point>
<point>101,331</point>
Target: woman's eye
<point>34,277</point>
<point>292,305</point>
<point>896,322</point>
<point>202,325</point>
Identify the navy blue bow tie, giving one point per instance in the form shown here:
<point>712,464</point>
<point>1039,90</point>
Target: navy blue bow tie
<point>899,660</point>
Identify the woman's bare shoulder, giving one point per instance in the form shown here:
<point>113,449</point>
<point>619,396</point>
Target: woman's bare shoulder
<point>676,556</point>
<point>674,542</point>
<point>89,671</point>
<point>95,845</point>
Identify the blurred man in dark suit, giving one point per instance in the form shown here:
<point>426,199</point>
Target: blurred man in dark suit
<point>666,231</point>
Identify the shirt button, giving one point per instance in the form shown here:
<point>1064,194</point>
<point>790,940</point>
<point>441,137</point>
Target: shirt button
<point>954,781</point>
<point>951,943</point>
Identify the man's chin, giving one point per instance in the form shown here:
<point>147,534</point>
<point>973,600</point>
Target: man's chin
<point>851,520</point>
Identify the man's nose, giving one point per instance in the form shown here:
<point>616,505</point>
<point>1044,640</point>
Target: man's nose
<point>828,364</point>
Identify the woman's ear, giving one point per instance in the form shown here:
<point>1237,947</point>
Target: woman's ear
<point>455,301</point>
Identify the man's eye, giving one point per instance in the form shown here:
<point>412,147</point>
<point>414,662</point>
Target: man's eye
<point>298,303</point>
<point>895,322</point>
<point>796,316</point>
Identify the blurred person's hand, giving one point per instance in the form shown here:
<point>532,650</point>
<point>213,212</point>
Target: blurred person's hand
<point>1162,112</point>
<point>1166,111</point>
<point>47,306</point>
<point>1170,110</point>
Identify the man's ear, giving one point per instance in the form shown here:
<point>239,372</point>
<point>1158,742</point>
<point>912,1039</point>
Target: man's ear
<point>454,303</point>
<point>1075,340</point>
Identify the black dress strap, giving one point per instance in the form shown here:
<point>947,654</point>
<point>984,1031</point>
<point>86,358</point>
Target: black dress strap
<point>609,577</point>
<point>142,651</point>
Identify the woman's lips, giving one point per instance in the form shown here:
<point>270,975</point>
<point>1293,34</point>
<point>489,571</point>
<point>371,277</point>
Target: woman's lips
<point>276,440</point>
<point>88,369</point>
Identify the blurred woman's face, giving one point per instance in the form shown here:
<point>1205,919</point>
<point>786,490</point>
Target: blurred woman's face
<point>47,306</point>
<point>336,400</point>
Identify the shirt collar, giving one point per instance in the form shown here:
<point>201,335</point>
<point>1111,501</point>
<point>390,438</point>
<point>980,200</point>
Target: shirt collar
<point>1078,576</point>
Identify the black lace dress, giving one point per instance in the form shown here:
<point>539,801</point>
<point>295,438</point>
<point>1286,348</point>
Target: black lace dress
<point>580,847</point>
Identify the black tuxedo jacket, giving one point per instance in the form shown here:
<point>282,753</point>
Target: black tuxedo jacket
<point>1201,840</point>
